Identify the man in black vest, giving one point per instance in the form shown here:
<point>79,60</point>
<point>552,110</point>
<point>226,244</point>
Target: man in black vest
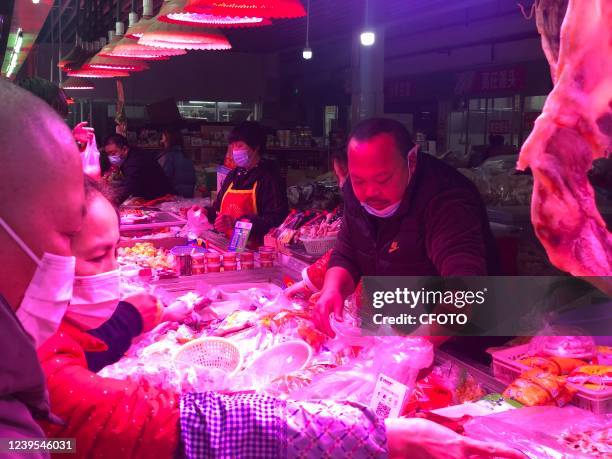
<point>141,174</point>
<point>406,214</point>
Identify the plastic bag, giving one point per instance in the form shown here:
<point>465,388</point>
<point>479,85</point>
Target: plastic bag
<point>559,342</point>
<point>543,431</point>
<point>397,357</point>
<point>90,158</point>
<point>197,223</point>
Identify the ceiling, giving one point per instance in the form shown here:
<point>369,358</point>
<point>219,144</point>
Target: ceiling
<point>329,19</point>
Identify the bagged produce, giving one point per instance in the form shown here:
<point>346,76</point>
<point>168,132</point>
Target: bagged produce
<point>547,432</point>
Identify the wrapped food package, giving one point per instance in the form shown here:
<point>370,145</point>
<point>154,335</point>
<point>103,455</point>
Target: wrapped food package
<point>547,432</point>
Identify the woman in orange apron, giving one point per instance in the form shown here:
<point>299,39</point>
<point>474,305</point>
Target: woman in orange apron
<point>253,191</point>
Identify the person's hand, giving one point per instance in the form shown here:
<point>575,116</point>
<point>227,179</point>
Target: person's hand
<point>423,439</point>
<point>224,223</point>
<point>327,301</point>
<point>176,312</point>
<point>297,289</point>
<point>82,133</point>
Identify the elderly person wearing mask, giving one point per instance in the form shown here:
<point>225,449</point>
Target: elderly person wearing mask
<point>41,191</point>
<point>36,279</point>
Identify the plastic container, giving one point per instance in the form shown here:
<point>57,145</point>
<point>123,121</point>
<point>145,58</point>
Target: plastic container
<point>213,267</point>
<point>198,263</point>
<point>229,257</point>
<point>212,257</point>
<point>318,246</point>
<point>247,260</point>
<point>266,253</point>
<point>210,352</point>
<point>281,359</point>
<point>506,369</point>
<point>182,259</point>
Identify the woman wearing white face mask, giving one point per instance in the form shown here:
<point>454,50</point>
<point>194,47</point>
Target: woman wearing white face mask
<point>254,190</point>
<point>97,329</point>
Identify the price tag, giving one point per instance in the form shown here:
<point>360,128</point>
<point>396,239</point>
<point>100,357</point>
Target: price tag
<point>388,397</point>
<point>240,236</point>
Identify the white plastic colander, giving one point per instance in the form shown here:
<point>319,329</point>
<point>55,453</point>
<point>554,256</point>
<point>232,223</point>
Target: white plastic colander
<point>210,352</point>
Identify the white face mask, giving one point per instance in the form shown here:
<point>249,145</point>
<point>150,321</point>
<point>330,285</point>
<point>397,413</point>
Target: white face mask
<point>241,157</point>
<point>94,299</point>
<point>46,298</point>
<point>115,160</point>
<point>382,213</point>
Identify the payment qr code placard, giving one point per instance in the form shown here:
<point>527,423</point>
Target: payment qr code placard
<point>388,397</point>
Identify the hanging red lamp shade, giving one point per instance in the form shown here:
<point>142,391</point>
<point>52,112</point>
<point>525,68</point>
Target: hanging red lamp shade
<point>177,14</point>
<point>98,73</point>
<point>76,83</point>
<point>115,63</point>
<point>74,55</point>
<point>128,48</point>
<point>137,30</point>
<point>254,8</point>
<point>176,36</point>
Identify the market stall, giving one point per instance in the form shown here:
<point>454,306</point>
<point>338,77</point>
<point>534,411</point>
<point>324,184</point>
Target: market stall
<point>244,334</point>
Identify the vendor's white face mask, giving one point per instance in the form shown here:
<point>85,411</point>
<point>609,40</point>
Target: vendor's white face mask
<point>382,213</point>
<point>46,298</point>
<point>241,157</point>
<point>94,299</point>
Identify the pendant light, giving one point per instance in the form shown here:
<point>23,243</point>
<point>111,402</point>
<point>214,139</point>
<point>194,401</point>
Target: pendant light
<point>258,8</point>
<point>130,48</point>
<point>367,37</point>
<point>98,73</point>
<point>176,36</point>
<point>76,83</point>
<point>307,52</point>
<point>178,15</point>
<point>138,28</point>
<point>115,63</point>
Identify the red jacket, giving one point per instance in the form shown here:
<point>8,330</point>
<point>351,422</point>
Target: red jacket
<point>108,417</point>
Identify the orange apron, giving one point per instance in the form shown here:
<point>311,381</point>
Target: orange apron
<point>237,203</point>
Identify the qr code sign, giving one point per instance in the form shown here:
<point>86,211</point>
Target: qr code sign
<point>383,411</point>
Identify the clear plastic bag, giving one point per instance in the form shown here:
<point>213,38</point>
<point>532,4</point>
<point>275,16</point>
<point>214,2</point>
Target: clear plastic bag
<point>563,342</point>
<point>397,357</point>
<point>543,431</point>
<point>90,158</point>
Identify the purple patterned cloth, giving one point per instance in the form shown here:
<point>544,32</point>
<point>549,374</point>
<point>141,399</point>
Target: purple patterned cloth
<point>256,426</point>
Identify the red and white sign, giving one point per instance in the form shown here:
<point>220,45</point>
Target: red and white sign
<point>488,81</point>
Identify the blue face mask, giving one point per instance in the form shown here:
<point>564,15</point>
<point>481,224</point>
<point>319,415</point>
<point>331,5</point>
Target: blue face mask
<point>115,160</point>
<point>241,157</point>
<point>382,213</point>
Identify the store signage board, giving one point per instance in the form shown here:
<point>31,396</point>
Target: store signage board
<point>509,79</point>
<point>240,236</point>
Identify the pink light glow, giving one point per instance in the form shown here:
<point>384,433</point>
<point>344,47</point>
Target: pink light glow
<point>135,51</point>
<point>259,8</point>
<point>214,21</point>
<point>98,73</point>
